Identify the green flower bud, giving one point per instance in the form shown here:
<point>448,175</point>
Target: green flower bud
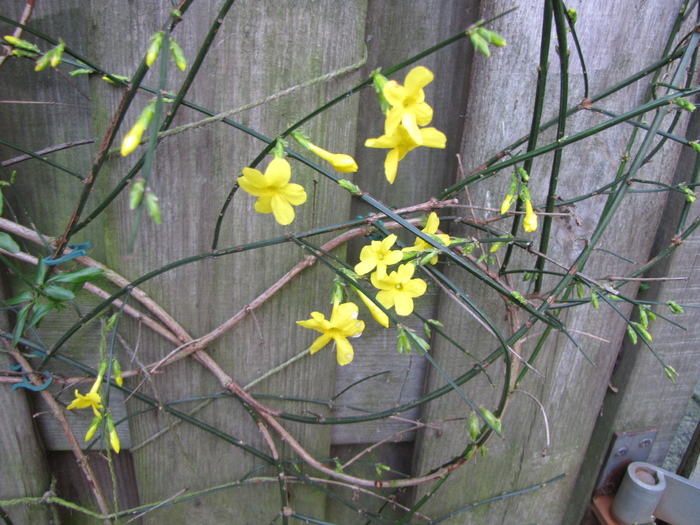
<point>23,53</point>
<point>178,55</point>
<point>136,193</point>
<point>21,44</point>
<point>153,207</point>
<point>474,426</point>
<point>683,103</point>
<point>670,373</point>
<point>573,15</point>
<point>643,317</point>
<point>352,188</point>
<point>594,299</point>
<point>675,308</point>
<point>479,43</point>
<point>579,290</point>
<point>642,330</point>
<point>491,37</point>
<point>632,334</point>
<point>694,145</point>
<point>491,418</point>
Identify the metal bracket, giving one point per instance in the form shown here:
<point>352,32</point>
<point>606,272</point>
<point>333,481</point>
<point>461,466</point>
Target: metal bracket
<point>647,491</point>
<point>625,448</point>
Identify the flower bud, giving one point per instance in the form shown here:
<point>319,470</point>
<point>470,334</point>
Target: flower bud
<point>507,203</point>
<point>136,193</point>
<point>178,55</point>
<point>480,44</point>
<point>632,334</point>
<point>594,299</point>
<point>341,162</point>
<point>377,314</point>
<point>491,418</point>
<point>113,436</point>
<point>153,207</point>
<point>675,308</point>
<point>154,49</point>
<point>491,37</point>
<point>670,373</point>
<point>352,188</point>
<point>132,139</point>
<point>92,428</point>
<point>474,426</point>
<point>117,369</point>
<point>530,221</point>
<point>21,44</point>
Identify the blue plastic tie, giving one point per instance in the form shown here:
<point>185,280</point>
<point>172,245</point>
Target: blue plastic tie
<point>78,251</point>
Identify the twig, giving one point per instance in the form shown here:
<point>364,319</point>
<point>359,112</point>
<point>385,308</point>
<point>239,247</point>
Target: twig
<point>57,412</point>
<point>544,415</point>
<point>52,149</point>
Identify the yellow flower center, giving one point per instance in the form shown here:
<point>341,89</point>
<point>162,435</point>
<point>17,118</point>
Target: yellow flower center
<point>398,286</point>
<point>380,257</point>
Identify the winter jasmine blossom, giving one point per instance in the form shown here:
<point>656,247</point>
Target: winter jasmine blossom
<point>408,106</point>
<point>398,288</point>
<point>401,142</point>
<point>378,253</point>
<point>342,324</point>
<point>91,399</point>
<point>431,228</point>
<point>274,191</point>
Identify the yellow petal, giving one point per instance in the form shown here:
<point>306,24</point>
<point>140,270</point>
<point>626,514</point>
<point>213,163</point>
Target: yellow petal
<point>408,120</point>
<point>432,224</point>
<point>418,78</point>
<point>404,304</point>
<point>278,173</point>
<point>264,204</point>
<point>391,165</point>
<point>344,351</point>
<point>294,193</point>
<point>393,119</point>
<point>394,93</point>
<point>320,343</point>
<point>366,266</point>
<point>283,211</point>
<point>432,138</point>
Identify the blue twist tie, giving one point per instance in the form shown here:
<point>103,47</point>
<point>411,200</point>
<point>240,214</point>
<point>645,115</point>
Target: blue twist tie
<point>78,251</point>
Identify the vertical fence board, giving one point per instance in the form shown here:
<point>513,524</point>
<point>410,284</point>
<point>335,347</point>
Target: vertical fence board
<point>571,390</point>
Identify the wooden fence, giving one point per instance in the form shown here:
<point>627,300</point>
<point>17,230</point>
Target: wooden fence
<point>565,411</point>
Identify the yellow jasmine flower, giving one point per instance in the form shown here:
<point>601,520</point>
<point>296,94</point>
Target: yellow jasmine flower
<point>91,399</point>
<point>431,228</point>
<point>342,324</point>
<point>398,289</point>
<point>408,103</point>
<point>274,191</point>
<point>378,253</point>
<point>341,162</point>
<point>401,142</point>
<point>530,222</point>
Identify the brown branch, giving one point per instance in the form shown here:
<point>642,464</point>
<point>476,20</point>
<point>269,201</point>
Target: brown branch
<point>52,149</point>
<point>57,412</point>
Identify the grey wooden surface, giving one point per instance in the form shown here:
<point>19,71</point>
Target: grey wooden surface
<point>481,105</point>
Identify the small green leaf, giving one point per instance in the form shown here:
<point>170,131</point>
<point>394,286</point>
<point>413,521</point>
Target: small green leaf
<point>7,243</point>
<point>21,298</point>
<point>39,312</point>
<point>59,293</point>
<point>78,276</point>
<point>19,325</point>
